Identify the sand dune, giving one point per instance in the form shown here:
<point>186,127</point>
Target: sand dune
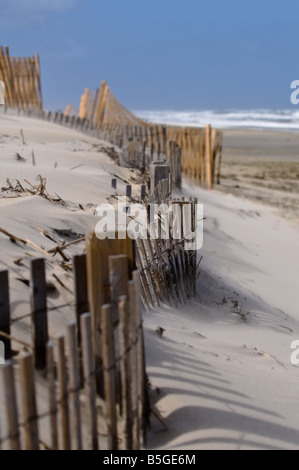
<point>221,374</point>
<point>223,367</point>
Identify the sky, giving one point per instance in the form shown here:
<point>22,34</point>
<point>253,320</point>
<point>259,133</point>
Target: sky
<point>160,54</point>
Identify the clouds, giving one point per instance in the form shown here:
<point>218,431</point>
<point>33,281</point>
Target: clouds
<point>26,14</point>
<point>36,6</point>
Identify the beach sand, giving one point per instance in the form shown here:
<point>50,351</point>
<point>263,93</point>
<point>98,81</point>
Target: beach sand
<point>220,375</point>
<point>263,166</point>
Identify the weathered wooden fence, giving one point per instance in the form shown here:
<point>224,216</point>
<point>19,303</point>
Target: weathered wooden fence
<point>166,251</point>
<point>89,389</point>
<point>86,390</point>
<point>168,269</point>
<point>160,176</point>
<point>200,149</point>
<point>22,81</point>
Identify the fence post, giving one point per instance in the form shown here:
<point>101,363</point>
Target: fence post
<point>143,192</point>
<point>100,112</point>
<point>125,370</point>
<point>128,190</point>
<point>29,402</point>
<point>52,396</point>
<point>74,386</point>
<point>10,403</point>
<point>89,377</point>
<point>133,338</point>
<point>219,150</point>
<point>109,376</point>
<point>142,391</point>
<point>98,252</point>
<point>39,312</point>
<point>63,395</point>
<point>208,157</point>
<point>80,287</point>
<point>158,172</point>
<point>5,313</point>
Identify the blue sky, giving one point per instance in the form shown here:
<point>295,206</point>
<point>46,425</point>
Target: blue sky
<point>160,54</point>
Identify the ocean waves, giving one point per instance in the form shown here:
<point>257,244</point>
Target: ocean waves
<point>265,119</point>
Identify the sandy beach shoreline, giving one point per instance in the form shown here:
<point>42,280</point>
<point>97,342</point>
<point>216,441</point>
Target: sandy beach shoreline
<point>226,380</point>
<point>262,166</point>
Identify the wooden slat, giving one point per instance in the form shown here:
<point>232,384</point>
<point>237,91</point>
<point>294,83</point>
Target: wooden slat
<point>10,76</point>
<point>74,388</point>
<point>125,371</point>
<point>38,82</point>
<point>89,379</point>
<point>63,395</point>
<point>10,404</point>
<point>29,402</point>
<point>208,158</point>
<point>142,393</point>
<point>39,312</point>
<point>133,338</point>
<point>109,376</point>
<point>80,288</point>
<point>98,252</point>
<point>52,396</point>
<point>5,313</point>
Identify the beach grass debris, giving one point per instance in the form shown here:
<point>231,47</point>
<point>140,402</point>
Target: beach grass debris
<point>15,239</point>
<point>77,166</point>
<point>64,245</point>
<point>23,138</point>
<point>160,331</point>
<point>243,315</point>
<point>39,189</point>
<point>19,158</point>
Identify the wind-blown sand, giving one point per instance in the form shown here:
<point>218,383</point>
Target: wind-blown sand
<point>77,170</point>
<point>262,165</point>
<point>221,374</point>
<point>223,364</point>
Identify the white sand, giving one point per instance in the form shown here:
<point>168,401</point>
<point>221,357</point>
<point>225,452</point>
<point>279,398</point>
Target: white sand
<point>222,366</point>
<point>77,171</point>
<point>223,369</point>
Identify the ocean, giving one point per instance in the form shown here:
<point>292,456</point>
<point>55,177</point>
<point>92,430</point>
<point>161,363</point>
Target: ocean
<point>282,119</point>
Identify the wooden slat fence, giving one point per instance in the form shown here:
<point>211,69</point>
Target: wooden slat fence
<point>100,363</point>
<point>22,80</point>
<point>200,149</point>
<point>50,394</point>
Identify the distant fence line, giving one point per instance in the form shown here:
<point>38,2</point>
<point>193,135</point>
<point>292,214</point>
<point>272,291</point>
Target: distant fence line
<point>174,275</point>
<point>107,286</point>
<point>22,80</point>
<point>201,149</point>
